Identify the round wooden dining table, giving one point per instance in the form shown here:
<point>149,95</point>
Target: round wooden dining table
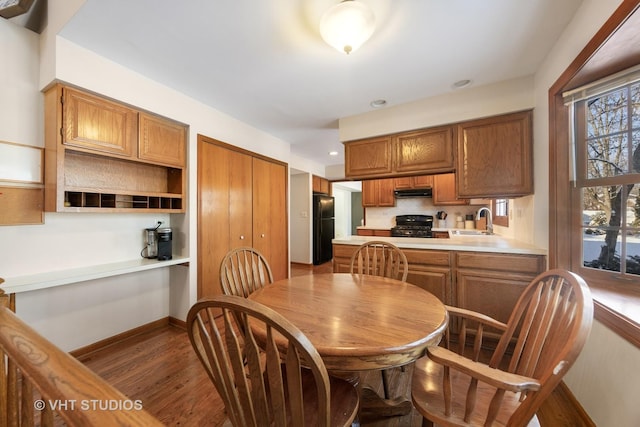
<point>359,322</point>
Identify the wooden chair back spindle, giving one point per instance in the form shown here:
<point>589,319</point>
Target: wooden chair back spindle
<point>378,258</point>
<point>243,270</point>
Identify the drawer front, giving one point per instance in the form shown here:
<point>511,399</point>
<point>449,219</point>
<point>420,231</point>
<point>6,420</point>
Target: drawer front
<point>428,257</point>
<point>532,264</point>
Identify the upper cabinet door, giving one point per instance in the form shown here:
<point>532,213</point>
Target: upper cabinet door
<point>429,150</point>
<point>96,124</point>
<point>368,157</point>
<point>495,156</point>
<point>161,141</point>
<point>444,190</point>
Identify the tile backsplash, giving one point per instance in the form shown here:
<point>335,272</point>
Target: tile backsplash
<point>385,217</point>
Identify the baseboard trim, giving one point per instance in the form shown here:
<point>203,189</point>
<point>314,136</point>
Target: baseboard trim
<point>87,350</point>
<point>177,323</point>
<point>566,393</point>
<point>302,265</point>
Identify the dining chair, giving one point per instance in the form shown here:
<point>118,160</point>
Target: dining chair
<point>531,353</point>
<point>243,270</point>
<point>265,369</point>
<point>378,258</point>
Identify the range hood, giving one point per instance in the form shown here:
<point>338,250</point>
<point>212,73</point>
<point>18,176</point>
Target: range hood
<point>414,192</point>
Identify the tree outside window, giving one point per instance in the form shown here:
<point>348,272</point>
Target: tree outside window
<point>608,179</point>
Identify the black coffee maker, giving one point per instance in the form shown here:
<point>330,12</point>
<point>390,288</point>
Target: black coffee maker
<point>164,244</point>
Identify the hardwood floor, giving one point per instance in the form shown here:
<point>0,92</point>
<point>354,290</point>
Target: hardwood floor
<point>160,369</point>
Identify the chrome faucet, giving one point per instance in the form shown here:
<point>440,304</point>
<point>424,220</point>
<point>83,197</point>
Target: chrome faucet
<point>489,219</point>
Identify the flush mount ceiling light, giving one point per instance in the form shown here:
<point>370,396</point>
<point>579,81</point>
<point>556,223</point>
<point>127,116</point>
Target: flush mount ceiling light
<point>378,103</point>
<point>347,25</point>
<point>333,153</point>
<point>461,83</point>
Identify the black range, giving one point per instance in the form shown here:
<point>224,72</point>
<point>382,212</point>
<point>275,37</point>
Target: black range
<point>413,226</point>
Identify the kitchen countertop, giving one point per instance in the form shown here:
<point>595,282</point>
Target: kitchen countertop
<point>476,243</point>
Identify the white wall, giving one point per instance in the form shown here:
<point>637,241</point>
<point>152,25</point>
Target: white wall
<point>342,209</point>
<point>606,380</point>
<point>300,218</point>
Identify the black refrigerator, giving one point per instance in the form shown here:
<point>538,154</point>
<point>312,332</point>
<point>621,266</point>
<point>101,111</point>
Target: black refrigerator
<point>323,228</point>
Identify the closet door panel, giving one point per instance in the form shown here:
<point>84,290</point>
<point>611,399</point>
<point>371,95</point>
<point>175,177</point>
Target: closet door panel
<point>270,214</point>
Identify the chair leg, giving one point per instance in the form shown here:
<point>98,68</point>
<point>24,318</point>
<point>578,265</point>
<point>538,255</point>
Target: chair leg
<point>385,383</point>
<point>427,423</point>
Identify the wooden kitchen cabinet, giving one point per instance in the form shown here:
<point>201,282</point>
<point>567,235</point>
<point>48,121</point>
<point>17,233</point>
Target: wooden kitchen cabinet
<point>444,190</point>
<point>424,151</point>
<point>97,124</point>
<point>431,270</point>
<point>320,185</point>
<point>491,283</point>
<point>411,182</point>
<point>487,282</point>
<point>378,193</point>
<point>161,141</point>
<point>370,157</point>
<point>495,156</point>
<point>242,202</point>
<point>97,161</point>
<point>374,232</point>
<point>428,269</point>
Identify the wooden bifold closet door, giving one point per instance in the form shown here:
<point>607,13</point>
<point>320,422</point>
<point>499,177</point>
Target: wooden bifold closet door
<point>241,202</point>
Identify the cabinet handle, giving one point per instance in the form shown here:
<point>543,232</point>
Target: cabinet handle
<point>241,237</point>
<point>262,235</point>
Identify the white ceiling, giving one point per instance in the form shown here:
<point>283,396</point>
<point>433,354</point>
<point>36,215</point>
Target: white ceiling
<point>264,62</point>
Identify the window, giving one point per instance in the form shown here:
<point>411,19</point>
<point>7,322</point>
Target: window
<point>606,55</point>
<point>500,208</point>
<point>607,182</point>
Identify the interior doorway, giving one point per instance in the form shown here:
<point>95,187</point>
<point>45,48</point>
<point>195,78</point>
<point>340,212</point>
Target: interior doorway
<point>349,213</point>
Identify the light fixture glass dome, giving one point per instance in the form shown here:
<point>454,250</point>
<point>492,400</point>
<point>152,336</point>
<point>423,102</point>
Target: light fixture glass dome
<point>347,25</point>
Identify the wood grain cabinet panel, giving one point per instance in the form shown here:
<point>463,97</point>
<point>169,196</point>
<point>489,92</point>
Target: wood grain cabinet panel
<point>368,157</point>
<point>320,185</point>
<point>495,156</point>
<point>270,222</point>
<point>97,124</point>
<point>431,270</point>
<point>411,182</point>
<point>161,141</point>
<point>425,150</point>
<point>427,269</point>
<point>492,283</point>
<point>444,190</point>
<point>378,193</point>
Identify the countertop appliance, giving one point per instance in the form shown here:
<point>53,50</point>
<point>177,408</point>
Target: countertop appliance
<point>323,228</point>
<point>413,226</point>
